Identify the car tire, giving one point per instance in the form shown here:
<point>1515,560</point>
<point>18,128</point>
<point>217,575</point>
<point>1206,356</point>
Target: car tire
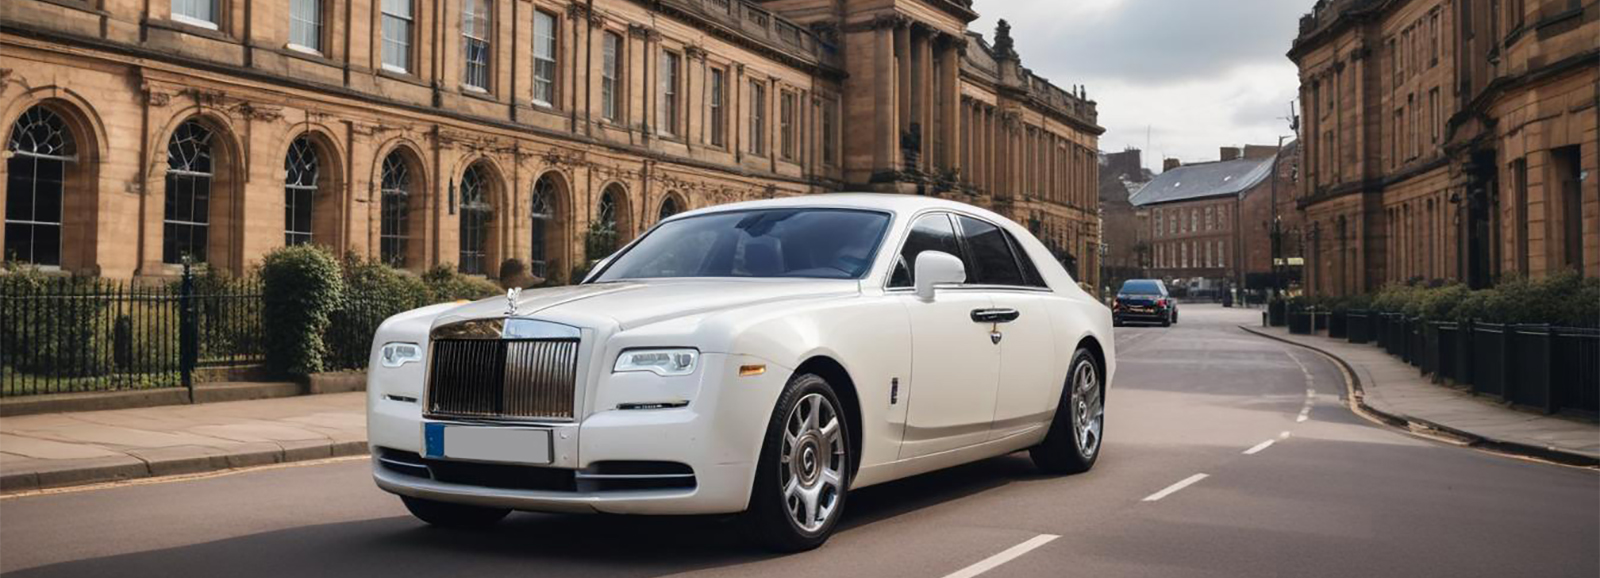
<point>1166,321</point>
<point>448,515</point>
<point>1069,448</point>
<point>1116,322</point>
<point>797,501</point>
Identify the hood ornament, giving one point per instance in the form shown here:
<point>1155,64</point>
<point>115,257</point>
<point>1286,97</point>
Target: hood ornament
<point>512,296</point>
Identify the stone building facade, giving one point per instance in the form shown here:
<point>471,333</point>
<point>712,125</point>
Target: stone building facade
<point>470,132</point>
<point>1449,140</point>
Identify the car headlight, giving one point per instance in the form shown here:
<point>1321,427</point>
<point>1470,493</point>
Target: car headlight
<point>662,362</point>
<point>398,354</point>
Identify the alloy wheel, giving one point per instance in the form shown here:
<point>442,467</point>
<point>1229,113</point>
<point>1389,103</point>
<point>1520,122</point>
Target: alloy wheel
<point>1088,408</point>
<point>812,464</point>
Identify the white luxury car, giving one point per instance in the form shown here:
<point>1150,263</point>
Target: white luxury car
<point>764,357</point>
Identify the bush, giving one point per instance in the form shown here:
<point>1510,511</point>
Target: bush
<point>444,283</point>
<point>1439,304</point>
<point>301,287</point>
<point>62,335</point>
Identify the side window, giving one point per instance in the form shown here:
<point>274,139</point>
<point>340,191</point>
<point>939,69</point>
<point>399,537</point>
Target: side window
<point>991,261</point>
<point>1030,271</point>
<point>929,233</point>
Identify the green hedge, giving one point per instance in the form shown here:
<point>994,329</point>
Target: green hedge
<point>301,289</point>
<point>1564,299</point>
<point>444,283</point>
<point>64,335</point>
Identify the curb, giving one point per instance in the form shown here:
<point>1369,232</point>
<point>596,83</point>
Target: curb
<point>1434,429</point>
<point>170,463</point>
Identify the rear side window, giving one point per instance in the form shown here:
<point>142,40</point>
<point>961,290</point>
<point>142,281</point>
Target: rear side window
<point>991,262</point>
<point>929,233</point>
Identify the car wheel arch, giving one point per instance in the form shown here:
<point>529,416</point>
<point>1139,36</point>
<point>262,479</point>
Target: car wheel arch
<point>843,386</point>
<point>1097,353</point>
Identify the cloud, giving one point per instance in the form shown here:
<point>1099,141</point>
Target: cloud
<point>1198,74</point>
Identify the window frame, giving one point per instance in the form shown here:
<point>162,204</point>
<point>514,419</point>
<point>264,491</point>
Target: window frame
<point>668,101</point>
<point>758,118</point>
<point>717,102</point>
<point>319,31</point>
<point>1030,270</point>
<point>212,24</point>
<point>552,61</point>
<point>610,72</point>
<point>409,43</point>
<point>487,41</point>
<point>788,109</point>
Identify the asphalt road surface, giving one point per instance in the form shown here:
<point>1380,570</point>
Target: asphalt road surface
<point>1189,485</point>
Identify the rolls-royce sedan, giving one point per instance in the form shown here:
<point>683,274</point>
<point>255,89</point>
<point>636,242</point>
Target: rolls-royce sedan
<point>761,358</point>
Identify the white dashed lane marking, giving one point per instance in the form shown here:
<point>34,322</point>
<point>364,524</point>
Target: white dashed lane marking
<point>1258,447</point>
<point>1311,390</point>
<point>1186,482</point>
<point>1008,555</point>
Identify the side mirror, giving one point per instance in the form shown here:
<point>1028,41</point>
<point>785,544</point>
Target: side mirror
<point>937,268</point>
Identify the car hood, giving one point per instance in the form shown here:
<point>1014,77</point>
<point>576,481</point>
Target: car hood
<point>637,303</point>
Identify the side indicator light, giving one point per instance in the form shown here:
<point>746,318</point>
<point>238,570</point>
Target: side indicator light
<point>752,370</point>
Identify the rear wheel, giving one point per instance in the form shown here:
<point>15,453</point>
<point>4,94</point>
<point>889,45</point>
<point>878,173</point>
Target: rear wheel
<point>1166,321</point>
<point>804,473</point>
<point>450,515</point>
<point>1073,444</point>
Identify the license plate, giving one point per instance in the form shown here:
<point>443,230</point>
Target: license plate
<point>487,444</point>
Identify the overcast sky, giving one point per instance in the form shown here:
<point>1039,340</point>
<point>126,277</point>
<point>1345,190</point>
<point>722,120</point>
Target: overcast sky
<point>1198,74</point>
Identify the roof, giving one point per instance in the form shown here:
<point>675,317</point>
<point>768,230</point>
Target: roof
<point>890,202</point>
<point>1204,180</point>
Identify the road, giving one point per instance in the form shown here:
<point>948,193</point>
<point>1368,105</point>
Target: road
<point>1331,495</point>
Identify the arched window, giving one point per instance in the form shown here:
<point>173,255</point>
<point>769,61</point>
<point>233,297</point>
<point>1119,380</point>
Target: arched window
<point>299,191</point>
<point>475,212</point>
<point>603,233</point>
<point>542,210</point>
<point>669,207</point>
<point>395,210</point>
<point>189,179</point>
<point>41,150</point>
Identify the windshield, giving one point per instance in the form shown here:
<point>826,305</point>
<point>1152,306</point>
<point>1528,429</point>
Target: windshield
<point>1141,287</point>
<point>770,243</point>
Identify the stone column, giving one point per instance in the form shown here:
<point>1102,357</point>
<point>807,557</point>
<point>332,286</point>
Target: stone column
<point>924,80</point>
<point>902,78</point>
<point>951,115</point>
<point>886,123</point>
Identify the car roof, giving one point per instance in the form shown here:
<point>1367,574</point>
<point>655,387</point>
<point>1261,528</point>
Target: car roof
<point>892,202</point>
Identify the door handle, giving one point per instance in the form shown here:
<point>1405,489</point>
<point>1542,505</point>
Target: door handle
<point>995,315</point>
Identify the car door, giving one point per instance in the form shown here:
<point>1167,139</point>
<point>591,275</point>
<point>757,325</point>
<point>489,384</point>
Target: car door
<point>954,363</point>
<point>1022,321</point>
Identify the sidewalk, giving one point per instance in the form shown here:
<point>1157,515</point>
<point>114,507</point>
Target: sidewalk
<point>63,449</point>
<point>1398,392</point>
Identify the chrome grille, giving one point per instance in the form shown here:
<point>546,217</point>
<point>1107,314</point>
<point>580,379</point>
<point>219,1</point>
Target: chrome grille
<point>495,378</point>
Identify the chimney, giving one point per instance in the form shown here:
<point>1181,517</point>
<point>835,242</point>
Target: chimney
<point>1259,151</point>
<point>1230,154</point>
<point>1170,164</point>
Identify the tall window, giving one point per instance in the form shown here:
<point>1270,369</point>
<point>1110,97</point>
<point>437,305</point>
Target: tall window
<point>299,191</point>
<point>197,12</point>
<point>544,58</point>
<point>604,234</point>
<point>475,25</point>
<point>786,123</point>
<point>395,222</point>
<point>475,211</point>
<point>397,26</point>
<point>542,210</point>
<point>669,93</point>
<point>187,218</point>
<point>719,113</point>
<point>610,67</point>
<point>669,207</point>
<point>305,24</point>
<point>41,150</point>
<point>758,118</point>
<point>1435,114</point>
<point>830,155</point>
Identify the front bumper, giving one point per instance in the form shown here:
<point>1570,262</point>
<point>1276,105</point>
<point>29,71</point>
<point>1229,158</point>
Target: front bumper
<point>718,436</point>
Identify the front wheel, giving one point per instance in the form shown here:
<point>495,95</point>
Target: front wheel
<point>803,476</point>
<point>450,515</point>
<point>1073,444</point>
